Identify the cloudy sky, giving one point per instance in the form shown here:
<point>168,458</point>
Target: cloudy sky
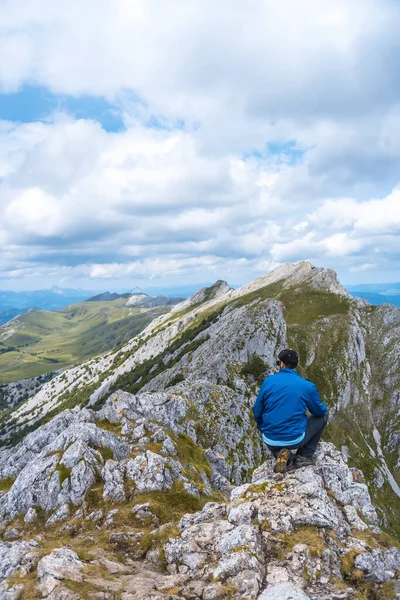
<point>167,142</point>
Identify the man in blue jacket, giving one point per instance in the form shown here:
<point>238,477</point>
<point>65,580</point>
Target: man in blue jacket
<point>280,413</point>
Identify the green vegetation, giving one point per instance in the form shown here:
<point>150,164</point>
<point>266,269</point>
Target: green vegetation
<point>106,452</point>
<point>158,539</point>
<point>258,488</point>
<point>6,484</point>
<point>176,379</point>
<point>301,305</point>
<point>191,455</point>
<point>171,505</point>
<point>255,367</point>
<point>306,534</point>
<point>63,471</point>
<point>42,341</point>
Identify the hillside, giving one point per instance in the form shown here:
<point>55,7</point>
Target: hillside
<point>164,424</point>
<point>42,341</point>
<point>18,303</point>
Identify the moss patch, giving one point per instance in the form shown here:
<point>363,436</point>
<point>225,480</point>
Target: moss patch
<point>6,484</point>
<point>106,452</point>
<point>171,505</point>
<point>308,535</point>
<point>63,471</point>
<point>256,368</point>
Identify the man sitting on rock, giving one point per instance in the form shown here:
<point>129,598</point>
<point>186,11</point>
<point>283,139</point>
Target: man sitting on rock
<point>280,413</point>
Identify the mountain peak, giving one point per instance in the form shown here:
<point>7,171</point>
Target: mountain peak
<point>136,290</point>
<point>296,275</point>
<point>214,291</point>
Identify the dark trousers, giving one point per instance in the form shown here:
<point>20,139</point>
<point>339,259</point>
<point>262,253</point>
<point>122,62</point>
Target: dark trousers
<point>307,447</point>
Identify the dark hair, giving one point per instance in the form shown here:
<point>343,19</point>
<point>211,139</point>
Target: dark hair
<point>290,364</point>
<point>290,358</point>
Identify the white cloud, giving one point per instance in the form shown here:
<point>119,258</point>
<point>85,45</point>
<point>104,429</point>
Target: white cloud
<point>363,267</point>
<point>34,212</point>
<point>278,137</point>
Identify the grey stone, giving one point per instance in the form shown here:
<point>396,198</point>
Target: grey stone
<point>12,534</point>
<point>113,477</point>
<point>31,516</point>
<point>61,514</point>
<point>379,565</point>
<point>150,472</point>
<point>61,564</point>
<point>14,592</point>
<point>191,489</point>
<point>283,591</point>
<point>17,556</point>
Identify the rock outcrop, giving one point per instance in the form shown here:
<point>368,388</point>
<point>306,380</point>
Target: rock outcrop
<point>311,534</point>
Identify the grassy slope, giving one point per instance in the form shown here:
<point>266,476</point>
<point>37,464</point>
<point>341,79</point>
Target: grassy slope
<point>46,341</point>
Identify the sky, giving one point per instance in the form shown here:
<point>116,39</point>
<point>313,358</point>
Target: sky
<point>161,142</point>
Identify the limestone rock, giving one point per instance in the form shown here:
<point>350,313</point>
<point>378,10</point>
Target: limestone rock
<point>61,514</point>
<point>142,512</point>
<point>150,472</point>
<point>17,556</point>
<point>283,591</point>
<point>161,407</point>
<point>61,564</point>
<point>12,534</point>
<point>379,565</point>
<point>113,477</point>
<point>31,516</point>
<point>14,592</point>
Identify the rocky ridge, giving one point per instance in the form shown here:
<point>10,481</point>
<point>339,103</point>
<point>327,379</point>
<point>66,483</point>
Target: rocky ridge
<point>97,507</point>
<point>164,425</point>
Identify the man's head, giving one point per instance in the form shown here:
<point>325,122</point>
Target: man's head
<point>287,358</point>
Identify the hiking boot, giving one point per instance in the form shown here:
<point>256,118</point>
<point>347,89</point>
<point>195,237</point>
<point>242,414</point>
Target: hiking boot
<point>303,461</point>
<point>282,460</point>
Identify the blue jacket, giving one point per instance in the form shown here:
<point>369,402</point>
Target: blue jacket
<point>280,408</point>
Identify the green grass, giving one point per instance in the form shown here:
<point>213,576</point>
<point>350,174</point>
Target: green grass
<point>171,505</point>
<point>63,471</point>
<point>255,367</point>
<point>6,484</point>
<point>46,341</point>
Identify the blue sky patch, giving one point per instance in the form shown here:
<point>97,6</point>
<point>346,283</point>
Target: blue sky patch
<point>285,152</point>
<point>35,103</point>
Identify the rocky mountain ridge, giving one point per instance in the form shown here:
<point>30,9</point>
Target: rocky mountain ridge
<point>167,419</point>
<point>95,513</point>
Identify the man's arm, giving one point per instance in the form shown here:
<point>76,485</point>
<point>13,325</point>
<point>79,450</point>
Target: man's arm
<point>314,404</point>
<point>258,408</point>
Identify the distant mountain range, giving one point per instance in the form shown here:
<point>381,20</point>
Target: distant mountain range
<point>377,293</point>
<point>56,298</point>
<point>137,298</point>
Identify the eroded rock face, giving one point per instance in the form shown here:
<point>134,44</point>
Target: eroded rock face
<point>380,565</point>
<point>247,543</point>
<point>61,564</point>
<point>61,471</point>
<point>280,537</point>
<point>162,407</point>
<point>150,472</point>
<point>17,556</point>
